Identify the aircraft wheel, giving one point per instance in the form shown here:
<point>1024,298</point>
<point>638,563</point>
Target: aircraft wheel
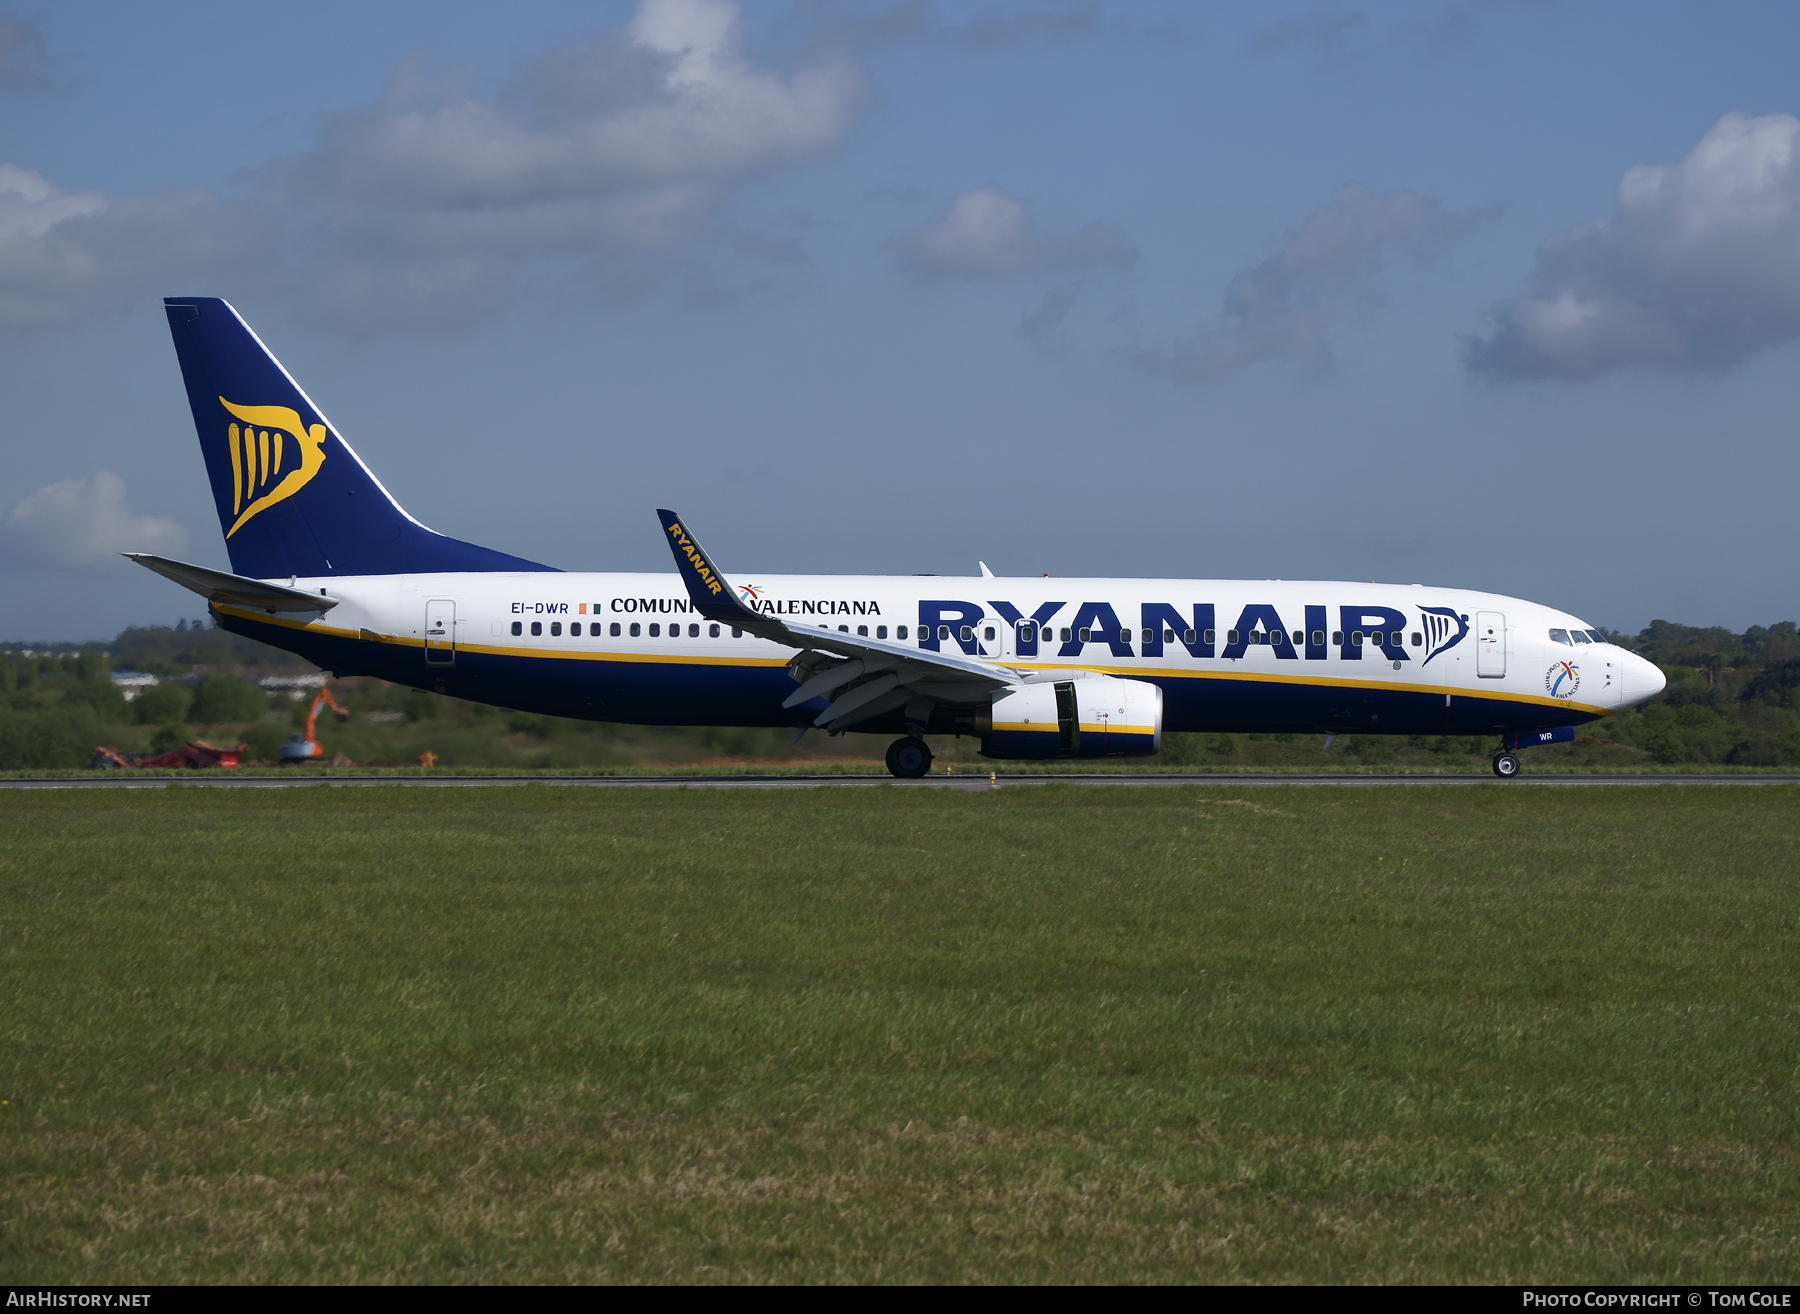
<point>908,758</point>
<point>1506,765</point>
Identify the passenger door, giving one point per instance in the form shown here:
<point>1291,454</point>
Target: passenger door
<point>1490,645</point>
<point>440,632</point>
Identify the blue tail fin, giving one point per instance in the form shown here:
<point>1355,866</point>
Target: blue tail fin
<point>293,498</point>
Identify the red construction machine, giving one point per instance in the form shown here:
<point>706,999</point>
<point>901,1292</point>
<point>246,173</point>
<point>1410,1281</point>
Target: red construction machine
<point>198,754</point>
<point>303,747</point>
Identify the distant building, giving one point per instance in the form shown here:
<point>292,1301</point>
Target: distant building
<point>295,686</point>
<point>133,683</point>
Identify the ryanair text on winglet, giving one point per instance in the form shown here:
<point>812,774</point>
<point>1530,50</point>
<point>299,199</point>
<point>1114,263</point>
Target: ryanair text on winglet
<point>692,553</point>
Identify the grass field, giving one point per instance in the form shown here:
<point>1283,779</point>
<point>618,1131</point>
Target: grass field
<point>1044,1034</point>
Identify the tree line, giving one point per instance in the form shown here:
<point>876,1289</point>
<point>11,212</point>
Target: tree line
<point>1731,699</point>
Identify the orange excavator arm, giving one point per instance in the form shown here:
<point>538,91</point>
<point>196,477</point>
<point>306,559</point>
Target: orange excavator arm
<point>312,714</point>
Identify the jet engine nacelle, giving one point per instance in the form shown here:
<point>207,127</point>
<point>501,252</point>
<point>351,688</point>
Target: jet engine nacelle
<point>1099,716</point>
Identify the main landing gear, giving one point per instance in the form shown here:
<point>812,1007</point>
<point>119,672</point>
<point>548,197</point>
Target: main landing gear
<point>908,758</point>
<point>1506,765</point>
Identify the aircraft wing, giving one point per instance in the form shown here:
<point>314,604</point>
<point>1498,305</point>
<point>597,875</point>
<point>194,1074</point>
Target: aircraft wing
<point>218,586</point>
<point>867,676</point>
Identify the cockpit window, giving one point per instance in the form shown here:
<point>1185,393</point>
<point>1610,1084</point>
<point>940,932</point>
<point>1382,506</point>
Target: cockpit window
<point>1580,636</point>
<point>1562,637</point>
<point>1596,636</point>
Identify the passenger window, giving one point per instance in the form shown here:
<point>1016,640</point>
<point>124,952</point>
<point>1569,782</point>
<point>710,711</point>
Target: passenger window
<point>694,630</point>
<point>1356,638</point>
<point>555,629</point>
<point>843,629</point>
<point>989,632</point>
<point>518,628</point>
<point>1299,637</point>
<point>1124,636</point>
<point>1212,636</point>
<point>881,631</point>
<point>615,629</point>
<point>1231,637</point>
<point>900,633</point>
<point>943,632</point>
<point>1149,636</point>
<point>634,629</point>
<point>655,630</point>
<point>1187,636</point>
<point>736,633</point>
<point>1318,638</point>
<point>1418,639</point>
<point>537,628</point>
<point>967,633</point>
<point>1562,637</point>
<point>863,631</point>
<point>1580,636</point>
<point>1394,639</point>
<point>1025,634</point>
<point>712,631</point>
<point>1084,635</point>
<point>1065,635</point>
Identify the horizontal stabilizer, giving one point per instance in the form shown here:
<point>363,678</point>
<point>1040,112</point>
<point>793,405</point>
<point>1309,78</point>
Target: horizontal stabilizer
<point>218,586</point>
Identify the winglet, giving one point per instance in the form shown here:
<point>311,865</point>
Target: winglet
<point>708,589</point>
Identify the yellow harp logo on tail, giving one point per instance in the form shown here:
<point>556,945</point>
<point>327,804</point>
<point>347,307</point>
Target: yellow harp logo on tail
<point>259,455</point>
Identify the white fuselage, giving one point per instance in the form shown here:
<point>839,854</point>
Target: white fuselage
<point>1229,654</point>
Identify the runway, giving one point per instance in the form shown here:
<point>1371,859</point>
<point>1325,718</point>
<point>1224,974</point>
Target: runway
<point>981,781</point>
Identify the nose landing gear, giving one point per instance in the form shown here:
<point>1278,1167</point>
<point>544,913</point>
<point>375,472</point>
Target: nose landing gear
<point>908,758</point>
<point>1506,765</point>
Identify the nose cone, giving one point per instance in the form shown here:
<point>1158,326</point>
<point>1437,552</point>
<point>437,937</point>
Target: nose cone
<point>1643,681</point>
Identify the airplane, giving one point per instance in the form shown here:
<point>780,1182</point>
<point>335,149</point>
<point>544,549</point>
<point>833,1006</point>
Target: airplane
<point>327,565</point>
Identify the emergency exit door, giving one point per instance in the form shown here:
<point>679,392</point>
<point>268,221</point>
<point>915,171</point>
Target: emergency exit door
<point>440,632</point>
<point>1490,644</point>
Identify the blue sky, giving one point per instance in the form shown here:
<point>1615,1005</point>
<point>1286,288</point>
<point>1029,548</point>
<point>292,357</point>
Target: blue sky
<point>1498,295</point>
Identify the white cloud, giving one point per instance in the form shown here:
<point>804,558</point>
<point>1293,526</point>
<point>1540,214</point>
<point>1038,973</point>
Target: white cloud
<point>1324,31</point>
<point>987,234</point>
<point>1699,268</point>
<point>63,252</point>
<point>80,522</point>
<point>25,63</point>
<point>1285,305</point>
<point>1043,327</point>
<point>992,29</point>
<point>431,205</point>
